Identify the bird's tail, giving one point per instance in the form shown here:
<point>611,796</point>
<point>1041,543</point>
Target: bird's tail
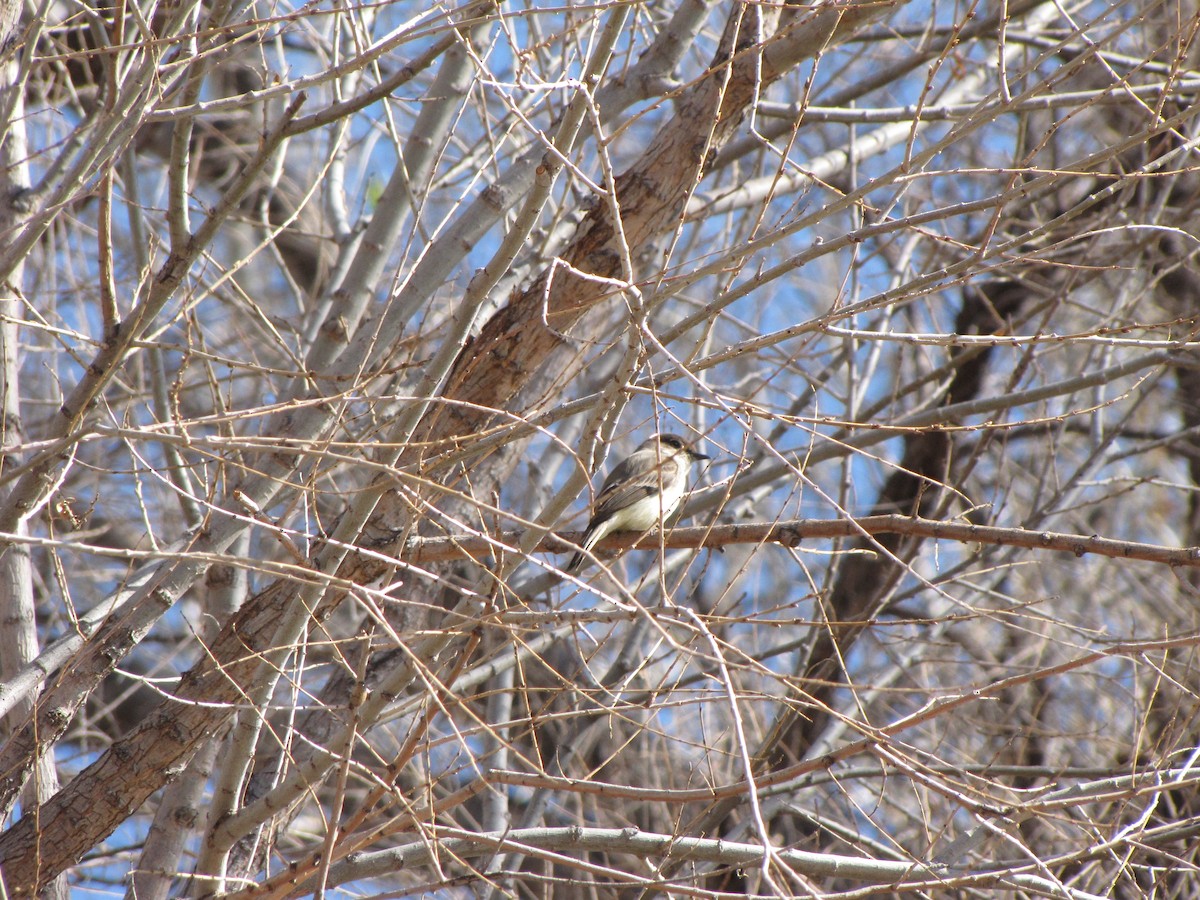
<point>591,537</point>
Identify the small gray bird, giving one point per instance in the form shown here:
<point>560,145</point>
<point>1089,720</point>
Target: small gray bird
<point>641,490</point>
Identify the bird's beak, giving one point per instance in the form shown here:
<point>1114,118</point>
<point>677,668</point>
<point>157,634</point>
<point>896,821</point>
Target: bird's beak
<point>697,455</point>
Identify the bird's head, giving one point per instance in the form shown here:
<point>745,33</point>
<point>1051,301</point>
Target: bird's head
<point>672,444</point>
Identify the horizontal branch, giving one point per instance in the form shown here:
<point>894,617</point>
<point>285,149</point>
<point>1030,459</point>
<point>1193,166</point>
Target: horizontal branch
<point>792,533</point>
<point>567,846</point>
<point>659,847</point>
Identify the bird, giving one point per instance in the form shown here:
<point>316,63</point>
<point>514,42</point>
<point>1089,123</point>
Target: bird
<point>641,491</point>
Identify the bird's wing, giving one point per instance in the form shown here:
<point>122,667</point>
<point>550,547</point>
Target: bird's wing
<point>620,490</point>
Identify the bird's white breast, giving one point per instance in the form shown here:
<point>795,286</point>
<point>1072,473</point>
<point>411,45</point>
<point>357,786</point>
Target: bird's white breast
<point>645,513</point>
